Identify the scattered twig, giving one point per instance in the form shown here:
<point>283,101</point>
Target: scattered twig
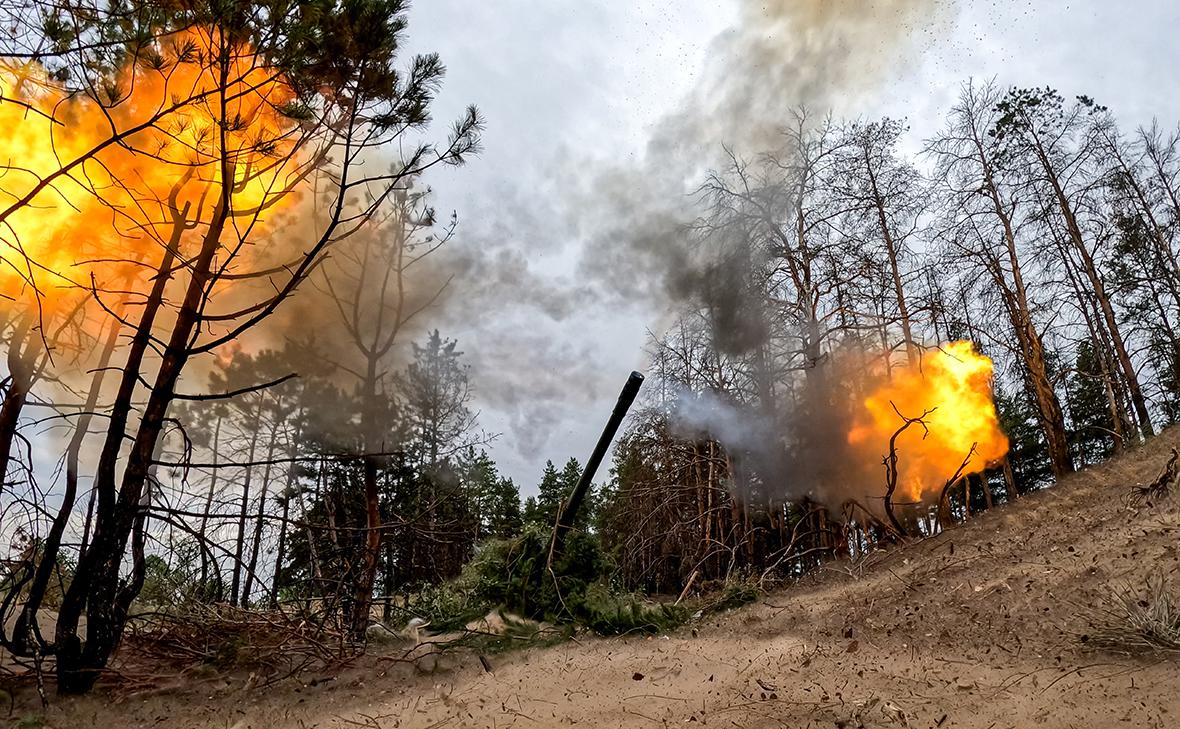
<point>1159,488</point>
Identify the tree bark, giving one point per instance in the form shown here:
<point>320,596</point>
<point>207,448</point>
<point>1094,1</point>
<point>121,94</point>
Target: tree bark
<point>1098,285</point>
<point>363,592</point>
<point>1051,416</point>
<point>52,545</point>
<point>202,530</point>
<point>23,349</point>
<point>892,252</point>
<point>256,543</point>
<point>288,494</point>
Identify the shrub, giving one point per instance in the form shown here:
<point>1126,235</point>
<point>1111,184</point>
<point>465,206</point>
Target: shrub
<point>448,605</point>
<point>608,612</point>
<point>734,593</point>
<point>513,575</point>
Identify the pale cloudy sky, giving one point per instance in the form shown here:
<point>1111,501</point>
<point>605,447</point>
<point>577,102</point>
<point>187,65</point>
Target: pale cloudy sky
<point>571,85</point>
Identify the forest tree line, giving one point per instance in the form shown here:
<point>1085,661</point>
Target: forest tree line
<point>185,183</point>
<point>1031,224</point>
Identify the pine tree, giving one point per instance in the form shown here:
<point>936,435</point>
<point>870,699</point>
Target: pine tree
<point>506,520</point>
<point>531,512</point>
<point>542,511</point>
<point>1090,434</point>
<point>1027,452</point>
<point>569,476</point>
<point>494,498</point>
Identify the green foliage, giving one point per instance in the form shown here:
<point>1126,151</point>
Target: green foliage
<point>608,612</point>
<point>158,584</point>
<point>1027,451</point>
<point>432,548</point>
<point>554,488</point>
<point>1026,116</point>
<point>1090,437</point>
<point>449,606</point>
<point>512,574</point>
<point>1142,279</point>
<point>517,633</point>
<point>439,494</point>
<point>735,593</point>
<point>494,498</point>
<point>435,390</point>
<point>176,581</point>
<point>32,721</point>
<point>540,512</point>
<point>32,552</point>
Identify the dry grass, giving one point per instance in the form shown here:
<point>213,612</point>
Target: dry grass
<point>1138,621</point>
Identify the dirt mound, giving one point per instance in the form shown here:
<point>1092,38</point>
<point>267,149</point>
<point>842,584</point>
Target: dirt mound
<point>986,625</point>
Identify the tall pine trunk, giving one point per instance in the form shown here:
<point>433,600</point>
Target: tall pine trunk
<point>1032,349</point>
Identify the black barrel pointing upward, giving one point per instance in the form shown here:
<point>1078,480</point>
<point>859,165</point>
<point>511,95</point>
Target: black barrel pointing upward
<point>569,509</point>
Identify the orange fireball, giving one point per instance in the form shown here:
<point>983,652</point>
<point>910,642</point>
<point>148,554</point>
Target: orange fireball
<point>145,152</point>
<point>953,385</point>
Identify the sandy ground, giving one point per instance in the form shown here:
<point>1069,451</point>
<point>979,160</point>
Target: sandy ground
<point>981,626</point>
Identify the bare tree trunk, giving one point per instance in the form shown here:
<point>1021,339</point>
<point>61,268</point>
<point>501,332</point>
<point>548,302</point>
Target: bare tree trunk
<point>1100,339</point>
<point>1051,416</point>
<point>203,528</point>
<point>1010,489</point>
<point>363,593</point>
<point>972,145</point>
<point>892,252</point>
<point>288,494</point>
<point>96,585</point>
<point>1164,253</point>
<point>235,589</point>
<point>23,349</point>
<point>256,544</point>
<point>309,534</point>
<point>52,544</point>
<point>1098,286</point>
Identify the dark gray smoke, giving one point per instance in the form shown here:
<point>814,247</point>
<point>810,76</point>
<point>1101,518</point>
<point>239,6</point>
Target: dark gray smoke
<point>782,55</point>
<point>797,445</point>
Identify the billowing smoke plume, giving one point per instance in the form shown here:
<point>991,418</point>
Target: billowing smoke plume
<point>782,56</point>
<point>708,412</point>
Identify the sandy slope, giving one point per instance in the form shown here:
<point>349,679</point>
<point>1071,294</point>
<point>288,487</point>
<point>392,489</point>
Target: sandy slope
<point>979,627</point>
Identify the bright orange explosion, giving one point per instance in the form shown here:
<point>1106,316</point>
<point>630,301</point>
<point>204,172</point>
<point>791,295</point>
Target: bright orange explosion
<point>157,176</point>
<point>955,382</point>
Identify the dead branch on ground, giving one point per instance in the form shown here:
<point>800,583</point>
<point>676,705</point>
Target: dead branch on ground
<point>1157,489</point>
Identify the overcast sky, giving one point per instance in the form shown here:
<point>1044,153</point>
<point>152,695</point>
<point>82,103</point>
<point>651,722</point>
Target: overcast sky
<point>568,86</point>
